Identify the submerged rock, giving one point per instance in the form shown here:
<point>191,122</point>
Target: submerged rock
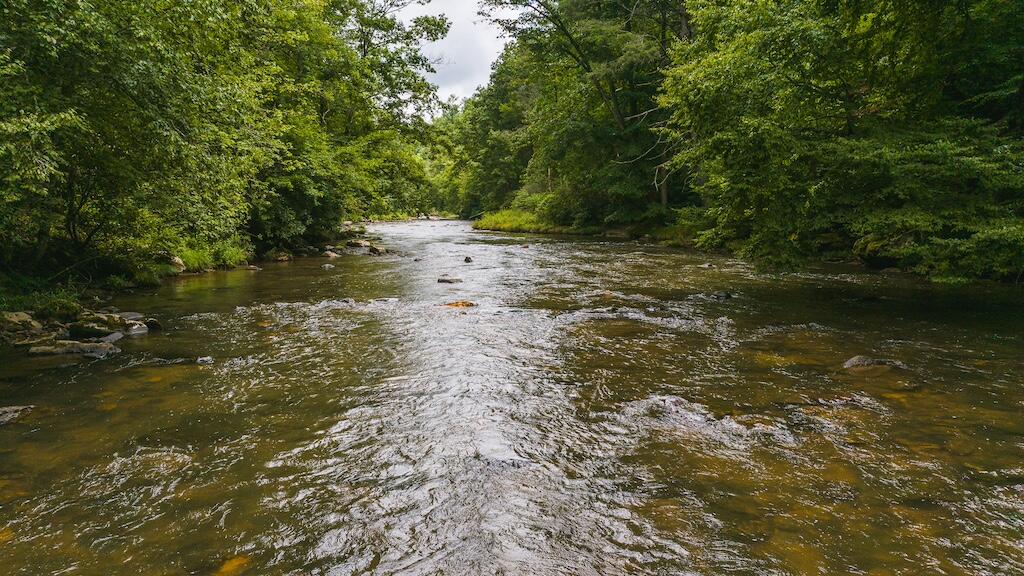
<point>153,324</point>
<point>327,267</point>
<point>92,330</point>
<point>134,328</point>
<point>71,347</point>
<point>868,362</point>
<point>461,304</point>
<point>446,279</point>
<point>205,360</point>
<point>9,414</point>
<point>111,338</point>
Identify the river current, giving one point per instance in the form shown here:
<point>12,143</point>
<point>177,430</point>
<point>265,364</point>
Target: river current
<point>605,408</point>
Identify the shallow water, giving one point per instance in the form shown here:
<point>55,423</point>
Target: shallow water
<point>600,411</point>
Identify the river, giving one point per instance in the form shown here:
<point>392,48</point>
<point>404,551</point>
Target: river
<point>607,408</point>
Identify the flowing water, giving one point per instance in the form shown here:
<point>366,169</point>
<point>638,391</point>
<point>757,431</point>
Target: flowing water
<point>605,409</point>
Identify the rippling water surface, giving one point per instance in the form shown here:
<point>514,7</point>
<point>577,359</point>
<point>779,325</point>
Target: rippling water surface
<point>605,409</point>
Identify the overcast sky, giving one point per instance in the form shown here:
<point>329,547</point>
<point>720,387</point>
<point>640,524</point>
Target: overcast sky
<point>468,51</point>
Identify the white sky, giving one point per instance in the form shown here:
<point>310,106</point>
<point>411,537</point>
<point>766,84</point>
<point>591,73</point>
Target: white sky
<point>468,51</point>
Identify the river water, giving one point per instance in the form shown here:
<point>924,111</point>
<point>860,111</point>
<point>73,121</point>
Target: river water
<point>605,409</point>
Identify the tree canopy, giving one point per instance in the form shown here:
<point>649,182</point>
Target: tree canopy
<point>890,132</point>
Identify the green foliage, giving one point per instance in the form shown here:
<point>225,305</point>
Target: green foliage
<point>569,115</point>
<point>517,221</point>
<point>132,131</point>
<point>889,131</point>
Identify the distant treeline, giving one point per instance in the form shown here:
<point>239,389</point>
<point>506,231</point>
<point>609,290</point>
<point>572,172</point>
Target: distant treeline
<point>888,131</point>
<point>212,130</point>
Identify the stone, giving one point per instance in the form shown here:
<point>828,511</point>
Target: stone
<point>377,250</point>
<point>468,260</point>
<point>71,347</point>
<point>111,338</point>
<point>18,322</point>
<point>461,304</point>
<point>36,340</point>
<point>205,360</point>
<point>90,330</point>
<point>868,362</point>
<point>358,244</point>
<point>178,264</point>
<point>327,267</point>
<point>9,414</point>
<point>446,279</point>
<point>153,324</point>
<point>329,254</point>
<point>722,296</point>
<point>135,328</point>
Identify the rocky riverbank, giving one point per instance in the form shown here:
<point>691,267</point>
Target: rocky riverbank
<point>90,333</point>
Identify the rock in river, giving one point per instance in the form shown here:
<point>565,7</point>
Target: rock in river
<point>18,322</point>
<point>69,347</point>
<point>468,260</point>
<point>446,279</point>
<point>868,362</point>
<point>329,254</point>
<point>461,304</point>
<point>11,413</point>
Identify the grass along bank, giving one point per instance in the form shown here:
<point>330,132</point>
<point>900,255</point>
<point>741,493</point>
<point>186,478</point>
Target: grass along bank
<point>512,220</point>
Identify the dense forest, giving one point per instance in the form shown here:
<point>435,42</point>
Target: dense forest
<point>212,131</point>
<point>219,131</point>
<point>888,132</point>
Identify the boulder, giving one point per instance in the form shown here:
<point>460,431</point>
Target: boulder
<point>329,254</point>
<point>9,414</point>
<point>111,338</point>
<point>868,362</point>
<point>358,244</point>
<point>377,250</point>
<point>461,304</point>
<point>178,264</point>
<point>18,322</point>
<point>153,324</point>
<point>91,330</point>
<point>71,347</point>
<point>136,328</point>
<point>36,340</point>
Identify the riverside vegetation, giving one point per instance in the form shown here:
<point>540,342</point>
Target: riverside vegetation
<point>133,133</point>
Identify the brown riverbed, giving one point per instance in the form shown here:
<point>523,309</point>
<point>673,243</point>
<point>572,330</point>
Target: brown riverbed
<point>604,409</point>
